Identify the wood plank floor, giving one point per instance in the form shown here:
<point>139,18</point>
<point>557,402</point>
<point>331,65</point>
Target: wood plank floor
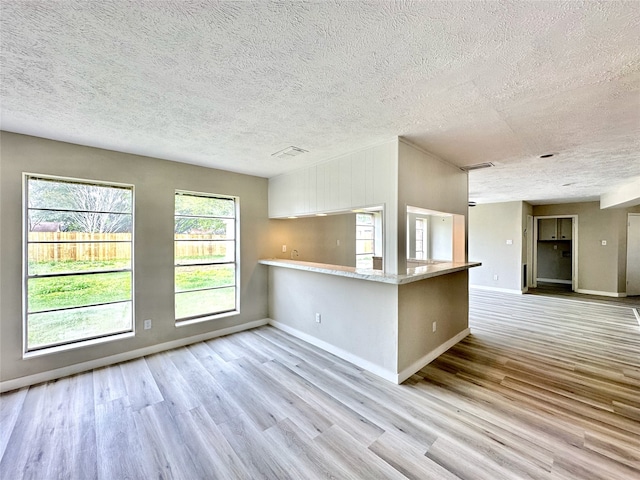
<point>544,388</point>
<point>564,291</point>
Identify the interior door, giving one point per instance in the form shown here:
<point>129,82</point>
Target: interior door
<point>633,255</point>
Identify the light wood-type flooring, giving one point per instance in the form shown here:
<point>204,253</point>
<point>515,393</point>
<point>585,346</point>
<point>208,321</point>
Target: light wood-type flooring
<point>544,388</point>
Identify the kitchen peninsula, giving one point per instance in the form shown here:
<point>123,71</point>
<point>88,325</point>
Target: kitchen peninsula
<point>392,321</point>
<point>389,324</point>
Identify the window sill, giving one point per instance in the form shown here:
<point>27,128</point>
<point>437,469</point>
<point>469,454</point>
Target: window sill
<point>72,346</point>
<point>191,321</point>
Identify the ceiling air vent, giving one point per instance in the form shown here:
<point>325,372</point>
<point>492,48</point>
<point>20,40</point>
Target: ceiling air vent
<point>289,152</point>
<point>477,166</point>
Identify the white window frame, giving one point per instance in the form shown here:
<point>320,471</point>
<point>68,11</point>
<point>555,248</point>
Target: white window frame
<point>236,262</point>
<point>86,341</point>
<point>373,240</point>
<point>425,247</point>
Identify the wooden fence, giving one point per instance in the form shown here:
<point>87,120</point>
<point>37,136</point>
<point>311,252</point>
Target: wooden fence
<point>95,247</point>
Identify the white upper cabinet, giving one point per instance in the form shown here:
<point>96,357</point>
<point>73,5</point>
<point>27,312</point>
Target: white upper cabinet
<point>359,179</point>
<point>555,229</point>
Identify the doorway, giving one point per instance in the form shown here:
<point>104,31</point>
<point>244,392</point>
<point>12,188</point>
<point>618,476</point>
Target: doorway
<point>633,254</point>
<point>554,252</point>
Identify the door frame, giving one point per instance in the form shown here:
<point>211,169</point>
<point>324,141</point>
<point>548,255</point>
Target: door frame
<point>626,276</point>
<point>574,250</point>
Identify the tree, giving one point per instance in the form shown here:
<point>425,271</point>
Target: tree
<point>79,207</point>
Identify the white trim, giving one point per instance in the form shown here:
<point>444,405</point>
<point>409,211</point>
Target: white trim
<point>603,294</point>
<point>65,347</point>
<point>338,352</point>
<point>554,280</point>
<point>384,373</point>
<point>574,249</point>
<point>20,382</point>
<point>431,356</point>
<point>497,289</point>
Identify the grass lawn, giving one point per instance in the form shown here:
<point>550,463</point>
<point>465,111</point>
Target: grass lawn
<point>210,276</point>
<point>68,325</point>
<point>201,302</point>
<point>49,293</point>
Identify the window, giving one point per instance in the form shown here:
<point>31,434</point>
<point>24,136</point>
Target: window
<point>205,256</point>
<point>421,238</point>
<point>77,261</point>
<point>365,240</point>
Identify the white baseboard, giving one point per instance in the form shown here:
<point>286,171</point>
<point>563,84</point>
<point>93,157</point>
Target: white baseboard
<point>431,356</point>
<point>381,372</point>
<point>497,289</point>
<point>603,294</point>
<point>20,382</point>
<point>338,352</point>
<point>554,280</point>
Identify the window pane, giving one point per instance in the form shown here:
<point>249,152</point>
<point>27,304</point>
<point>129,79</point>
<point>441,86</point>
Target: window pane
<point>205,276</point>
<point>204,228</point>
<point>364,246</point>
<point>78,257</point>
<point>70,325</point>
<point>62,195</point>
<point>187,204</point>
<point>203,302</point>
<point>364,219</point>
<point>50,293</point>
<point>192,252</point>
<point>364,232</point>
<point>364,261</point>
<point>87,223</point>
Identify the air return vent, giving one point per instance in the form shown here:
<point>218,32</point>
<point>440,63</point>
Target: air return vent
<point>477,166</point>
<point>289,152</point>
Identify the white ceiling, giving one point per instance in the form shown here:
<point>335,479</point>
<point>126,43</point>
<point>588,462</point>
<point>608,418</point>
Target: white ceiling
<point>227,84</point>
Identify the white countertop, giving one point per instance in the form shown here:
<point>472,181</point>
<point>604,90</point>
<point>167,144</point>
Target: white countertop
<point>412,275</point>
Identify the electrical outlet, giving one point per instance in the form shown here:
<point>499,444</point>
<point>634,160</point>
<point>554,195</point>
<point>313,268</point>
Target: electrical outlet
<point>434,325</point>
<point>337,243</point>
<point>147,324</point>
<point>318,318</point>
<point>509,242</point>
<point>495,277</point>
<point>284,248</point>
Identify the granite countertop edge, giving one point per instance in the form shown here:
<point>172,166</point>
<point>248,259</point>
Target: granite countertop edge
<point>413,275</point>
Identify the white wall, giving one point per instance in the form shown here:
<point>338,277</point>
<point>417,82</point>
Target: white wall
<point>444,300</point>
<point>490,227</point>
<point>363,178</point>
<point>441,238</point>
<point>359,317</point>
<point>601,268</point>
<point>426,181</point>
<point>316,239</point>
<point>155,182</point>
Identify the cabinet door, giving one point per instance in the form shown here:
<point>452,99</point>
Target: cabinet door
<point>547,229</point>
<point>564,228</point>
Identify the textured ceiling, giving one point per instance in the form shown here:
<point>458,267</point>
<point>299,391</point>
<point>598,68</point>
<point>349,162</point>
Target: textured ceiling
<point>227,84</point>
